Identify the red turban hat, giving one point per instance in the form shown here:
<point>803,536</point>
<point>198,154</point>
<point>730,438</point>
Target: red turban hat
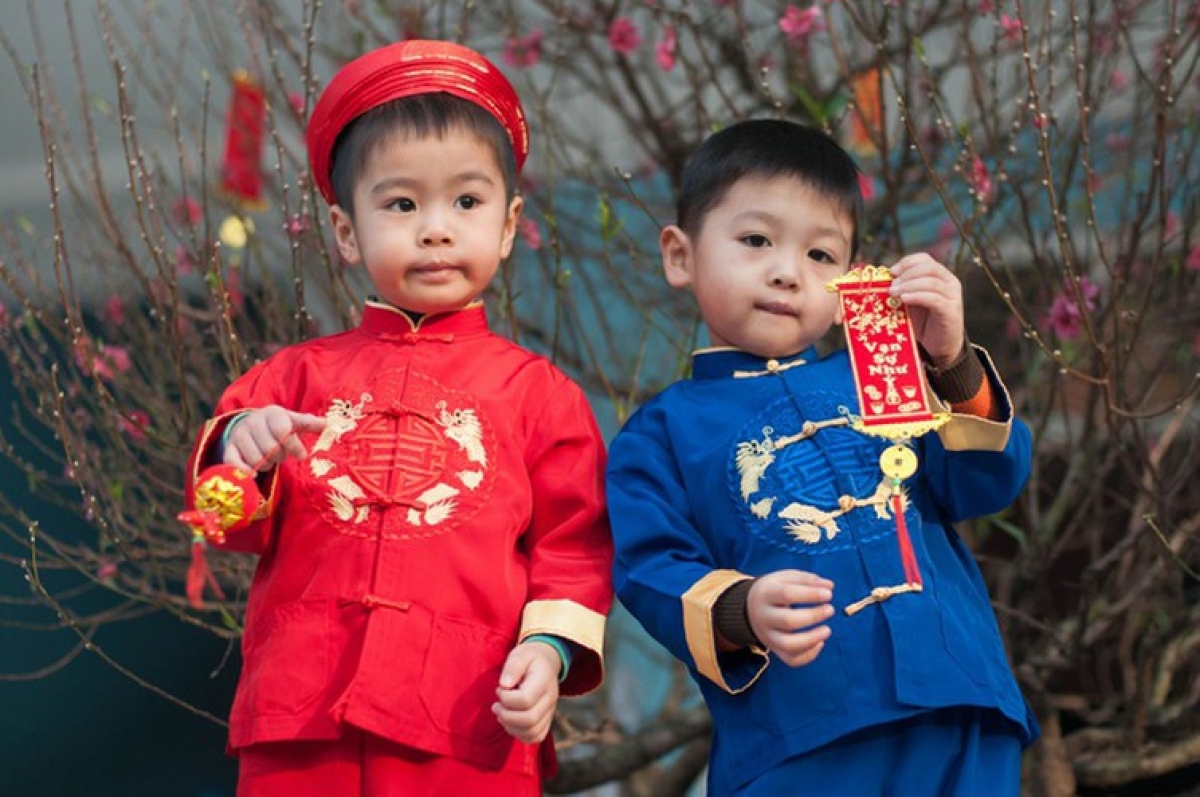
<point>403,69</point>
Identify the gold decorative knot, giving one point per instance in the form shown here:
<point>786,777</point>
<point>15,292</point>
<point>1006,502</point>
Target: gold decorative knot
<point>223,497</point>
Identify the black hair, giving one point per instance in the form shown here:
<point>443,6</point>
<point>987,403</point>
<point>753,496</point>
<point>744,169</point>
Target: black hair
<point>417,115</point>
<point>768,148</point>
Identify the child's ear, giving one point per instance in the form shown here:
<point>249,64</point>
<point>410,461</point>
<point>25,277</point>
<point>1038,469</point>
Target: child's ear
<point>676,249</point>
<point>343,233</point>
<point>509,233</point>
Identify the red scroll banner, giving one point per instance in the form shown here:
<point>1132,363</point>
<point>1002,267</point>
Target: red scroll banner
<point>887,367</point>
<point>245,129</point>
<point>892,401</point>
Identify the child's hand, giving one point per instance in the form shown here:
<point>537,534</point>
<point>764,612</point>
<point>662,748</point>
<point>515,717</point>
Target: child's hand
<point>784,608</point>
<point>528,691</point>
<point>934,299</point>
<point>263,438</point>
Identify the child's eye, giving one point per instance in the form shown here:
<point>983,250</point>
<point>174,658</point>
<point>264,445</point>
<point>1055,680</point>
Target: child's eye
<point>756,241</point>
<point>403,204</point>
<point>466,202</point>
<point>821,256</point>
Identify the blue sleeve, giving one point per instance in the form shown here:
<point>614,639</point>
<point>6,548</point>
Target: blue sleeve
<point>665,572</point>
<point>976,482</point>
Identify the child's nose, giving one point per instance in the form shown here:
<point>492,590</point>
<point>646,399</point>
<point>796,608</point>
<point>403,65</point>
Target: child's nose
<point>436,234</point>
<point>435,231</point>
<point>784,275</point>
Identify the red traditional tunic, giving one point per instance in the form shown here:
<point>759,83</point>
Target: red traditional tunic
<point>452,506</point>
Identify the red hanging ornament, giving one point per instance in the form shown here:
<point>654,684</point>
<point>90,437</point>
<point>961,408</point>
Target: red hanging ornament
<point>893,402</point>
<point>245,126</point>
<point>224,499</point>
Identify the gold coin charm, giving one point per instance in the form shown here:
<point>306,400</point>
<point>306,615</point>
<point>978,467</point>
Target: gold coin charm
<point>898,462</point>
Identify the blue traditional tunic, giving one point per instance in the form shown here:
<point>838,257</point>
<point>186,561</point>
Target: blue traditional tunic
<point>751,466</point>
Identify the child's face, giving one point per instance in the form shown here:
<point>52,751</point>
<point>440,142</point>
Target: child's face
<point>431,222</point>
<point>759,264</point>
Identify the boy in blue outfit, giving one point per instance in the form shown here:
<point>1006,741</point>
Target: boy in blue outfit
<point>822,671</point>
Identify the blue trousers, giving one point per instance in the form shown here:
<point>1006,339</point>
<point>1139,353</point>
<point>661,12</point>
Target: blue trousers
<point>956,752</point>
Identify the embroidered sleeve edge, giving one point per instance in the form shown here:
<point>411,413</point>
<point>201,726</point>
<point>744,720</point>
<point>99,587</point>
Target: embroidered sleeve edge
<point>971,432</point>
<point>698,627</point>
<point>566,619</point>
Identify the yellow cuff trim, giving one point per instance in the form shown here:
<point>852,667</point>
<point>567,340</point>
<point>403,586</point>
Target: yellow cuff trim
<point>565,619</point>
<point>698,604</point>
<point>971,432</point>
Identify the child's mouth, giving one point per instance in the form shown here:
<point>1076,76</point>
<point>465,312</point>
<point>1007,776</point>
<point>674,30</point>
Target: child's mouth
<point>777,308</point>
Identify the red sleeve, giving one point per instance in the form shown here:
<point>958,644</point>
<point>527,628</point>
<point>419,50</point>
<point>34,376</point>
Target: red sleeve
<point>253,389</point>
<point>568,541</point>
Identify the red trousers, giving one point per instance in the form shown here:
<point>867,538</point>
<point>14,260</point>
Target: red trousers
<point>364,765</point>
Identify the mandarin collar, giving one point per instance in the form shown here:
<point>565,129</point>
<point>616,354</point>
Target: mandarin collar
<point>384,320</point>
<point>724,363</point>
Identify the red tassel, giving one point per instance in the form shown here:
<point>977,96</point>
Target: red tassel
<point>223,499</point>
<point>200,575</point>
<point>912,573</point>
<point>241,173</point>
<point>204,523</point>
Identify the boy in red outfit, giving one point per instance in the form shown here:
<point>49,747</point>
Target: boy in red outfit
<point>434,550</point>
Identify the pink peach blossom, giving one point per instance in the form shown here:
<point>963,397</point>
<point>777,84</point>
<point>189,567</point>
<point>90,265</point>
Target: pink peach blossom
<point>295,100</point>
<point>105,363</point>
<point>1104,43</point>
<point>187,211</point>
<point>798,24</point>
<point>133,424</point>
<point>980,180</point>
<point>184,264</point>
<point>664,51</point>
<point>623,36</point>
<point>1011,27</point>
<point>114,310</point>
<point>118,356</point>
<point>523,51</point>
<point>296,226</point>
<point>1065,318</point>
<point>531,234</point>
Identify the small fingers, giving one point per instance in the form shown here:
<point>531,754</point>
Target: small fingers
<point>523,715</point>
<point>244,449</point>
<point>797,647</point>
<point>233,456</point>
<point>516,700</point>
<point>917,261</point>
<point>263,438</point>
<point>300,422</point>
<point>801,658</point>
